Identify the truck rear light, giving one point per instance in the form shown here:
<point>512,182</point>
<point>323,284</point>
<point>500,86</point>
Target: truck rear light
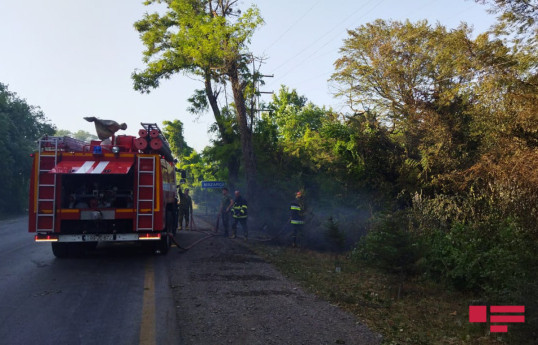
<point>46,238</point>
<point>149,236</point>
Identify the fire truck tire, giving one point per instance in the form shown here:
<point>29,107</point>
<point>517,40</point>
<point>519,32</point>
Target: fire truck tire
<point>172,227</point>
<point>60,250</point>
<point>164,243</point>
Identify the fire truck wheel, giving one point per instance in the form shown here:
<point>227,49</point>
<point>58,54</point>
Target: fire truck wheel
<point>60,250</point>
<point>173,224</point>
<point>164,244</point>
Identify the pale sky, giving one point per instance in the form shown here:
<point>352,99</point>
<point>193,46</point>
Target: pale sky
<point>75,58</point>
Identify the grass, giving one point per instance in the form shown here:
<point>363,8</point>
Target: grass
<point>425,313</point>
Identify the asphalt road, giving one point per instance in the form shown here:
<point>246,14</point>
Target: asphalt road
<point>218,292</point>
<point>118,294</point>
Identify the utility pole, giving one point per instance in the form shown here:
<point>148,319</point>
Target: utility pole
<point>258,93</point>
<point>255,99</point>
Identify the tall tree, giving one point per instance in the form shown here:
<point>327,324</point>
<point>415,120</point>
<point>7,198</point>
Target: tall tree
<point>518,18</point>
<point>421,80</point>
<point>20,126</point>
<point>208,39</point>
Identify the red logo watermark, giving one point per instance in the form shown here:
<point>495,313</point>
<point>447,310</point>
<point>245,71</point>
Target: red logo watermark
<point>479,313</point>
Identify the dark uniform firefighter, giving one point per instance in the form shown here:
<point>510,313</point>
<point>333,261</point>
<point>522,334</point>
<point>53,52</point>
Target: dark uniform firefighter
<point>225,207</point>
<point>185,208</point>
<point>239,214</point>
<point>297,213</point>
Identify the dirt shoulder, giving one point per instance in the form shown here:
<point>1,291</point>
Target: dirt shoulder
<point>226,294</point>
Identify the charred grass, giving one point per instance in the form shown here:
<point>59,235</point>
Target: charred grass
<point>424,312</point>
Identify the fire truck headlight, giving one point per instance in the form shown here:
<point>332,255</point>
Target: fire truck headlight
<point>115,149</point>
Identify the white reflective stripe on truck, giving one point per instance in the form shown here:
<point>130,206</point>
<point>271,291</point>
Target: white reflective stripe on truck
<point>85,167</point>
<point>100,167</point>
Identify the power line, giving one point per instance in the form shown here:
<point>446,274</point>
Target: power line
<point>428,4</point>
<point>292,25</point>
<point>314,77</point>
<point>316,54</point>
<point>325,34</point>
<point>331,39</point>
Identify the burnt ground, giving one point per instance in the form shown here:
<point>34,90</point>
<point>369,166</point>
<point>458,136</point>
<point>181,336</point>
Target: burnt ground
<point>225,294</point>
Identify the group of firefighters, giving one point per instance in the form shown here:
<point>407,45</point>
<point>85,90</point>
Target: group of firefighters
<point>238,209</point>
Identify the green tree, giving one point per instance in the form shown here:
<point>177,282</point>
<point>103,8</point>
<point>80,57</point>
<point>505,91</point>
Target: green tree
<point>518,18</point>
<point>62,133</point>
<point>207,39</point>
<point>421,81</point>
<point>226,151</point>
<point>80,134</point>
<point>293,114</point>
<point>84,135</point>
<point>20,126</point>
<point>464,113</point>
<point>173,131</point>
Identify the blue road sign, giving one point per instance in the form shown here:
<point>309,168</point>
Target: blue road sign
<point>213,184</point>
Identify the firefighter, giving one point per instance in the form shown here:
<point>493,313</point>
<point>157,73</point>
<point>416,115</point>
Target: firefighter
<point>297,213</point>
<point>225,207</point>
<point>185,208</point>
<point>179,196</point>
<point>239,214</point>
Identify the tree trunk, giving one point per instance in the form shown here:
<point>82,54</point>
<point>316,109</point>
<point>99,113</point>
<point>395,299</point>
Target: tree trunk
<point>212,98</point>
<point>245,133</point>
<point>233,164</point>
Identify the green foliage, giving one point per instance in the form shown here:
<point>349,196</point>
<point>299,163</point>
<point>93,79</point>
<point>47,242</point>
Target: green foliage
<point>198,103</point>
<point>20,126</point>
<point>201,167</point>
<point>80,134</point>
<point>207,39</point>
<point>192,37</point>
<point>439,152</point>
<point>389,245</point>
<point>517,19</point>
<point>460,119</point>
<point>496,263</point>
<point>335,236</point>
<point>173,131</point>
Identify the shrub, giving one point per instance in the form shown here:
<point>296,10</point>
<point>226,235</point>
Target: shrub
<point>335,236</point>
<point>389,245</point>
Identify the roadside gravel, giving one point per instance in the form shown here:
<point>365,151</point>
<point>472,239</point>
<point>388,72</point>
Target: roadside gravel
<point>226,294</point>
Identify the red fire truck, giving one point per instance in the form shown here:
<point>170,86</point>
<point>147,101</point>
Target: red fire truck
<point>123,189</point>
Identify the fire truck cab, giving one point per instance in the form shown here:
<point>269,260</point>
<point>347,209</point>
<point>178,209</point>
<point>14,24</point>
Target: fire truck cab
<point>117,190</point>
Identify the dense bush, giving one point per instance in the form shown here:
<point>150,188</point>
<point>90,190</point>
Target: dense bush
<point>389,245</point>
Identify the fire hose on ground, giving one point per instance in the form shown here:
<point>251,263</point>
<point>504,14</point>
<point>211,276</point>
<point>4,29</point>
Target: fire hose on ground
<point>214,234</point>
<point>192,225</point>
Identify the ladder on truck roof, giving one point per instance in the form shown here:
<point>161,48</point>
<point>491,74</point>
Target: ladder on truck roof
<point>155,132</point>
<point>45,207</point>
<point>145,190</point>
